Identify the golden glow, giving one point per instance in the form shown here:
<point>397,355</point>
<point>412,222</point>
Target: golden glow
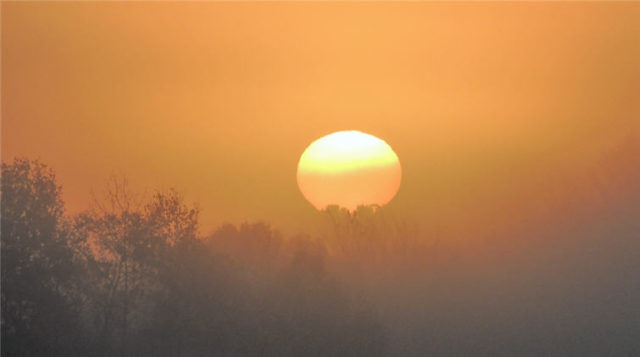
<point>349,168</point>
<point>496,113</point>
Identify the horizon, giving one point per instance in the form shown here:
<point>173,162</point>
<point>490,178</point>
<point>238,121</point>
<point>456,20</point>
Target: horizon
<point>212,157</point>
<point>225,111</point>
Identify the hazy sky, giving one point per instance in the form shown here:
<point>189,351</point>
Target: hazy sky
<point>494,109</point>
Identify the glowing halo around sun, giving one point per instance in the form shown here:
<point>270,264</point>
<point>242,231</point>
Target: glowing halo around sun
<point>348,169</point>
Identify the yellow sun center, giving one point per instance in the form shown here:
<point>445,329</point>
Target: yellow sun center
<point>349,168</point>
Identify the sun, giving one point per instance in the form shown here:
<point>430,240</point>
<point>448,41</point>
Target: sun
<point>348,169</point>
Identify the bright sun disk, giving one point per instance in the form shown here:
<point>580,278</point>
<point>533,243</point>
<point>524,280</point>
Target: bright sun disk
<point>349,168</point>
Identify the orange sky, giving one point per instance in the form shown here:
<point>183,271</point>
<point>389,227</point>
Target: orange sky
<point>493,108</point>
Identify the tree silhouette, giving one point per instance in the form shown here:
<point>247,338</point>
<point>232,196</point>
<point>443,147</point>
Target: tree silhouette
<point>132,246</point>
<point>38,274</point>
<point>132,277</point>
<point>311,315</point>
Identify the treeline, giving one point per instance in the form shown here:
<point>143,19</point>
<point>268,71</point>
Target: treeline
<point>133,277</point>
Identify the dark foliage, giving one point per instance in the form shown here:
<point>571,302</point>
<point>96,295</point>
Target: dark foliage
<point>131,277</point>
<point>39,312</point>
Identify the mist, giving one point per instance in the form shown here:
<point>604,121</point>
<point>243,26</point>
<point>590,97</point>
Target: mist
<point>135,276</point>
